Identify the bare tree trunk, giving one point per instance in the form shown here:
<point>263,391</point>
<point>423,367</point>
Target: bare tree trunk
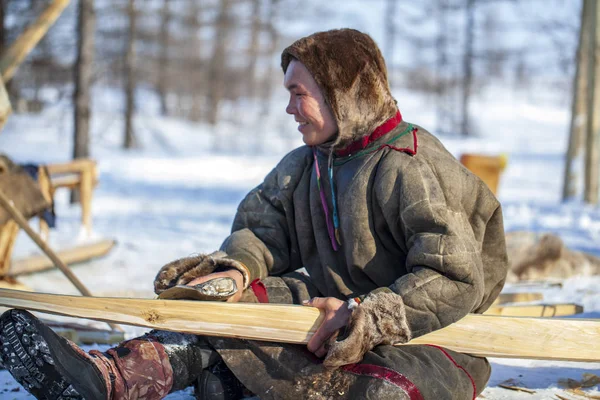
<point>468,65</point>
<point>3,31</point>
<point>390,34</point>
<point>267,88</point>
<point>578,105</point>
<point>441,45</point>
<point>216,71</point>
<point>253,49</point>
<point>164,57</point>
<point>130,141</point>
<point>198,80</point>
<point>592,156</point>
<point>84,71</point>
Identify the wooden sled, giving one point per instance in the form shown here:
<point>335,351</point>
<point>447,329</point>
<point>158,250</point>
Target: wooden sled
<point>538,310</point>
<point>504,298</point>
<point>78,254</point>
<point>84,334</point>
<point>481,335</point>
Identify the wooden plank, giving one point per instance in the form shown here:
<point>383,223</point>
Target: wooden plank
<point>8,236</point>
<point>538,310</point>
<point>535,338</point>
<point>504,298</point>
<point>70,334</point>
<point>44,184</point>
<point>5,106</point>
<point>86,334</point>
<point>82,174</point>
<point>15,54</point>
<point>69,181</point>
<point>85,197</point>
<point>77,165</point>
<point>537,284</point>
<point>90,337</point>
<point>73,255</point>
<point>12,284</point>
<point>100,337</point>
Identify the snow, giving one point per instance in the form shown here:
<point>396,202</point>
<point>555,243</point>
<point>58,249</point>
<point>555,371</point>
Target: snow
<point>177,193</point>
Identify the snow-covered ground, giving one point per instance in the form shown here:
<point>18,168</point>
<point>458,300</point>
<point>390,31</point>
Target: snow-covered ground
<point>177,195</point>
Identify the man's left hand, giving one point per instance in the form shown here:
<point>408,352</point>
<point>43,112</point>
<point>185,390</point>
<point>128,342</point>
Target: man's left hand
<point>337,316</point>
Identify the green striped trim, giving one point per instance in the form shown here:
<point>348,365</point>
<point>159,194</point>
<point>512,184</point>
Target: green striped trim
<point>344,160</point>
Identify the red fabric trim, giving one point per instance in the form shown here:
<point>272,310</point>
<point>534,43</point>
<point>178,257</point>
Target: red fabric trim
<point>459,367</point>
<point>386,374</point>
<point>407,150</point>
<point>260,291</point>
<point>363,142</point>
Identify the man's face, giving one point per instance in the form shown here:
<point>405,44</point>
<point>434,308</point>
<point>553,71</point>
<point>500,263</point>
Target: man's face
<point>307,105</point>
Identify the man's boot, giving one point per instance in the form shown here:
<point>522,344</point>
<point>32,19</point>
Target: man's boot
<point>53,368</point>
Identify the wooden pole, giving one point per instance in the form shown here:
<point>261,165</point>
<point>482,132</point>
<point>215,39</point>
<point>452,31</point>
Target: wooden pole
<point>12,58</point>
<point>84,76</point>
<point>73,255</point>
<point>22,222</point>
<point>481,335</point>
<point>592,155</point>
<point>465,125</point>
<point>5,106</point>
<point>130,78</point>
<point>390,21</point>
<point>578,104</point>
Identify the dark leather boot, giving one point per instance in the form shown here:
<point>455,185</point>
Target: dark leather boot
<point>53,368</point>
<point>26,355</point>
<point>219,383</point>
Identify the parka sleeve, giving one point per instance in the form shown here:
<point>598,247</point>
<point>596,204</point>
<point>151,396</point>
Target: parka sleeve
<point>263,236</point>
<point>443,239</point>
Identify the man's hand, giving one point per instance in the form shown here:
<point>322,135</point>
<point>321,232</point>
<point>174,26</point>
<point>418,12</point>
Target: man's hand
<point>337,316</point>
<point>231,273</point>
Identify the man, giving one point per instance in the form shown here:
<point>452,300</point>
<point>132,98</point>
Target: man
<point>398,240</point>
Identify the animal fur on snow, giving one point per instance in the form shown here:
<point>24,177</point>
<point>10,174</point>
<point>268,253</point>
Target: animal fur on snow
<point>533,256</point>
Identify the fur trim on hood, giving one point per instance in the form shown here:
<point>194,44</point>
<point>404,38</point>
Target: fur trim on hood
<point>350,70</point>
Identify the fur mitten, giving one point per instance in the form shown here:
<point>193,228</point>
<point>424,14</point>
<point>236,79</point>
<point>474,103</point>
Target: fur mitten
<point>379,319</point>
<point>185,270</point>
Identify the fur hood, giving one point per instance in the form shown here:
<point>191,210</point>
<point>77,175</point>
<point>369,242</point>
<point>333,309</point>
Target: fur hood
<point>350,70</point>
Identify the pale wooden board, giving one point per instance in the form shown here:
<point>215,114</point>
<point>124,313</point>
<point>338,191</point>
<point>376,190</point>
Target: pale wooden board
<point>538,310</point>
<point>74,166</point>
<point>5,106</point>
<point>73,255</point>
<point>504,298</point>
<point>14,285</point>
<point>491,336</point>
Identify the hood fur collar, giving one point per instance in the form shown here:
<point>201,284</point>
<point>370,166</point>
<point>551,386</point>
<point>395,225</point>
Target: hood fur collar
<point>350,70</point>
